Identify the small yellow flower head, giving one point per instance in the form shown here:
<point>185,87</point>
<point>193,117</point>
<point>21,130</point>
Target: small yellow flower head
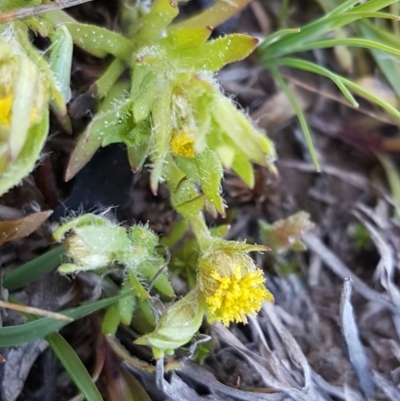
<point>5,109</point>
<point>182,144</point>
<point>232,286</point>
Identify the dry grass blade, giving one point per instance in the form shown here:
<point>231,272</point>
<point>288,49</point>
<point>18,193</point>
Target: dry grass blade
<point>203,377</point>
<point>356,350</point>
<point>340,269</point>
<point>37,10</point>
<point>273,372</point>
<point>35,311</point>
<point>386,268</point>
<point>392,392</point>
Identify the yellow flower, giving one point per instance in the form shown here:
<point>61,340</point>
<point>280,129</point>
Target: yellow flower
<point>232,287</point>
<point>182,144</point>
<point>5,110</point>
<point>238,295</point>
<point>6,103</point>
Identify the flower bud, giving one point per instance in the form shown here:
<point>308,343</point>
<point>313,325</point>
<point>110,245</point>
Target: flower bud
<point>84,256</point>
<point>24,95</point>
<point>176,327</point>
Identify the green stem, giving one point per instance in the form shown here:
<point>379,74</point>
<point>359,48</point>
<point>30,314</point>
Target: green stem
<point>109,77</point>
<point>200,230</point>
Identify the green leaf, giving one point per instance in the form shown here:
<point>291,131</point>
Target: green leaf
<point>100,41</point>
<point>150,269</point>
<point>156,21</point>
<point>210,173</point>
<point>74,367</point>
<point>111,320</point>
<point>60,59</point>
<point>244,169</point>
<point>187,37</point>
<point>144,96</point>
<point>161,119</point>
<point>239,130</point>
<point>217,14</point>
<point>185,205</point>
<point>214,55</point>
<point>13,335</point>
<point>127,304</point>
<point>34,269</point>
<point>104,125</point>
<point>176,234</point>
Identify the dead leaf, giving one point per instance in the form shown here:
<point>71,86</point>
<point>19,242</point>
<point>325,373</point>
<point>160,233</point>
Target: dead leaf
<point>285,234</point>
<point>15,229</point>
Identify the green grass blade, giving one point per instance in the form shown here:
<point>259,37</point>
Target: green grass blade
<point>316,69</point>
<point>13,335</point>
<point>347,5</point>
<point>374,5</point>
<point>300,115</point>
<point>289,43</point>
<point>389,67</point>
<point>353,42</point>
<point>380,15</point>
<point>33,269</point>
<point>273,37</point>
<point>337,18</point>
<point>348,84</point>
<point>371,97</point>
<point>74,367</point>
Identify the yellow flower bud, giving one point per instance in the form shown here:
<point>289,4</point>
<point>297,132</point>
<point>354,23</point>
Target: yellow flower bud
<point>182,144</point>
<point>232,286</point>
<point>24,96</point>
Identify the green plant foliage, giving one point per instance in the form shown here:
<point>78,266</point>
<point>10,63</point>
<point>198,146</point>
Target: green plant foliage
<point>28,85</point>
<point>74,367</point>
<point>33,269</point>
<point>279,48</point>
<point>13,335</point>
<point>176,114</point>
<point>95,243</point>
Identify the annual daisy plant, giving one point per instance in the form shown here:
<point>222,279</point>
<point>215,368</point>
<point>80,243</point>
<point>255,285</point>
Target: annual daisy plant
<point>173,117</point>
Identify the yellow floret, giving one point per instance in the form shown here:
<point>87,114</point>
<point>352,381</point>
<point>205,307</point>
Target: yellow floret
<point>5,110</point>
<point>238,295</point>
<point>182,144</point>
